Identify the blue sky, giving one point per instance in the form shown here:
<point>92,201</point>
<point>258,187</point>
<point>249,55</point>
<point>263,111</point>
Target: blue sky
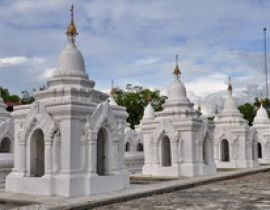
<point>136,41</point>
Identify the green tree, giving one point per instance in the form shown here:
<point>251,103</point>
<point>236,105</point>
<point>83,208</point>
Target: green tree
<point>249,111</point>
<point>26,97</point>
<point>7,97</point>
<point>135,99</point>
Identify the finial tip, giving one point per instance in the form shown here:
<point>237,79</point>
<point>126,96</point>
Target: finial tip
<point>176,70</point>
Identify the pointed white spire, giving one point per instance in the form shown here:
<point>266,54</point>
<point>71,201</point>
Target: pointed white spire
<point>149,111</point>
<point>261,115</point>
<point>230,105</point>
<point>71,61</point>
<point>177,90</point>
<point>112,93</point>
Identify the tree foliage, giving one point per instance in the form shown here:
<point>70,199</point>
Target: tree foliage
<point>134,98</point>
<point>25,99</point>
<point>4,93</point>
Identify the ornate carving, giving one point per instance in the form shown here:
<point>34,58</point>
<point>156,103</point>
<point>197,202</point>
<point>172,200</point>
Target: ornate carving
<point>38,117</point>
<point>165,127</point>
<point>6,129</point>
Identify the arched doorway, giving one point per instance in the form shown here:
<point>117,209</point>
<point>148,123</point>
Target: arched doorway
<point>5,146</point>
<point>225,151</point>
<point>140,147</point>
<point>165,152</point>
<point>259,150</point>
<point>127,147</point>
<point>37,159</point>
<point>101,152</point>
<point>205,151</point>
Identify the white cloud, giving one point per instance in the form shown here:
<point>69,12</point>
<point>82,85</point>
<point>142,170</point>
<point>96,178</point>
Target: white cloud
<point>124,41</point>
<point>146,61</point>
<point>206,85</point>
<point>11,61</point>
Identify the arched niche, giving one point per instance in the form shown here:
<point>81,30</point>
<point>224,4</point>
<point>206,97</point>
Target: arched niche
<point>139,147</point>
<point>127,147</point>
<point>102,152</point>
<point>37,154</point>
<point>259,150</point>
<point>165,151</point>
<point>5,146</point>
<point>206,151</point>
<point>224,151</point>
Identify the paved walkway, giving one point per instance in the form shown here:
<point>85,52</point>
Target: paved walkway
<point>249,192</point>
<point>181,198</point>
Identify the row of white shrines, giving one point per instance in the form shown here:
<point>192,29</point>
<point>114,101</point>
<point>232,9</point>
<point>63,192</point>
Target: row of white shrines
<point>74,141</point>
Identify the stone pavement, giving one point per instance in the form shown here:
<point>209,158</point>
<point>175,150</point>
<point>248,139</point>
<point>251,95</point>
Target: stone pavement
<point>249,192</point>
<point>174,200</point>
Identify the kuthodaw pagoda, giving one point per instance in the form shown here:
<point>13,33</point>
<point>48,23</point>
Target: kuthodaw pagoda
<point>70,141</point>
<point>74,140</point>
<point>176,141</point>
<point>262,126</point>
<point>235,140</point>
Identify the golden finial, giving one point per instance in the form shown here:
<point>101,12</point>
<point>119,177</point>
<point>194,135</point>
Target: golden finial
<point>113,89</point>
<point>149,98</point>
<point>230,85</point>
<point>176,70</point>
<point>71,29</point>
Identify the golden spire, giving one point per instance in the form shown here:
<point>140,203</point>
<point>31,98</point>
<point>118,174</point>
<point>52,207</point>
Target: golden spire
<point>176,70</point>
<point>113,89</point>
<point>230,86</point>
<point>71,29</point>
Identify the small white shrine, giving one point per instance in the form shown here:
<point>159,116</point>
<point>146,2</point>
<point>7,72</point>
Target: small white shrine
<point>176,142</point>
<point>70,141</point>
<point>134,156</point>
<point>6,143</point>
<point>262,126</point>
<point>235,142</point>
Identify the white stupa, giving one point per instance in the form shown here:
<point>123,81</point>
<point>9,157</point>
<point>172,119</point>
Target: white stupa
<point>235,141</point>
<point>173,144</point>
<point>70,141</point>
<point>6,142</point>
<point>262,126</point>
<point>149,112</point>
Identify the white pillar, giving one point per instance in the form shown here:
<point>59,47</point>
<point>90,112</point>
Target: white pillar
<point>92,151</point>
<point>174,153</point>
<point>48,157</point>
<point>22,167</point>
<point>155,154</point>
